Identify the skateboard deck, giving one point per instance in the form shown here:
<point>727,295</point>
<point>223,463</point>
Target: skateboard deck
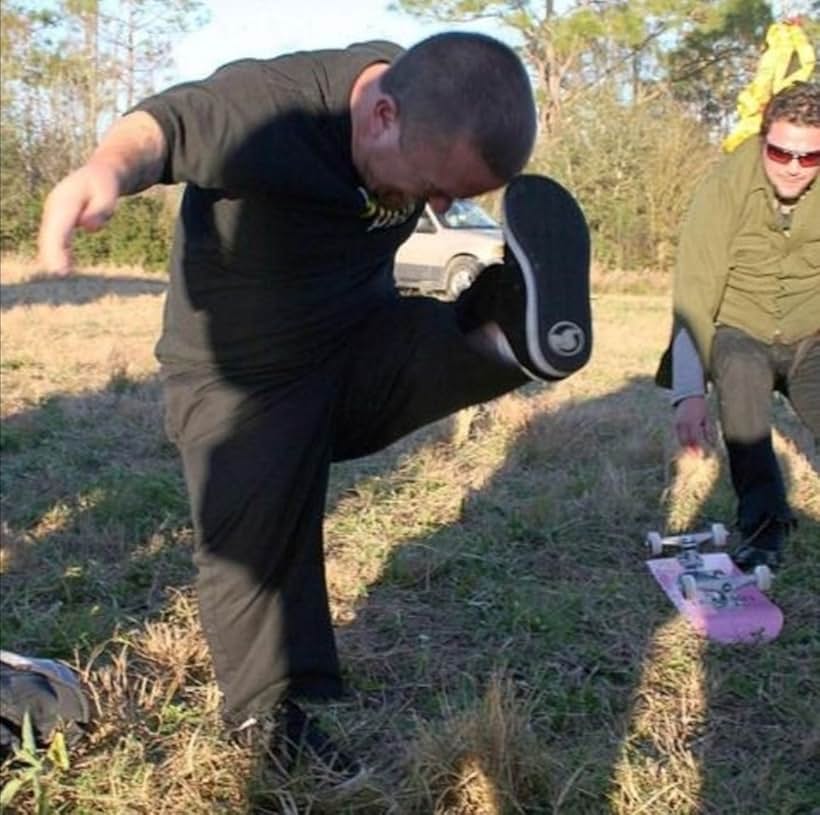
<point>752,618</point>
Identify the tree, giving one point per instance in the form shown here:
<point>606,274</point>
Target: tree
<point>140,35</point>
<point>633,168</point>
<point>714,61</point>
<point>68,68</point>
<point>707,49</point>
<point>588,43</point>
<point>76,64</point>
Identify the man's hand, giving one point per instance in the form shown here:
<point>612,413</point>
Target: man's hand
<point>692,424</point>
<point>86,198</point>
<point>129,159</point>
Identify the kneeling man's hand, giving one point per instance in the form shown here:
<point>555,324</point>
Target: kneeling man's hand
<point>692,425</point>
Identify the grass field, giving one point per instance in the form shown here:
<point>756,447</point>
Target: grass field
<point>505,647</point>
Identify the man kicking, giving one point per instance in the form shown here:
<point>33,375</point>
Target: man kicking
<point>285,345</point>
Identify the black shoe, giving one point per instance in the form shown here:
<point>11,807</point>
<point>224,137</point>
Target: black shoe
<point>762,546</point>
<point>747,557</point>
<point>542,301</point>
<point>291,736</point>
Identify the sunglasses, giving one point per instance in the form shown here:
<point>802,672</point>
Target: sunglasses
<point>782,156</point>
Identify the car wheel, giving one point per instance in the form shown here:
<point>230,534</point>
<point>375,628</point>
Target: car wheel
<point>460,274</point>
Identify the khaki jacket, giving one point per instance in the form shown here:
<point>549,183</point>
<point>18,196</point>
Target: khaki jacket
<point>738,266</point>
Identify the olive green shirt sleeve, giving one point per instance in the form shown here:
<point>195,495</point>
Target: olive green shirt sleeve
<point>702,267</point>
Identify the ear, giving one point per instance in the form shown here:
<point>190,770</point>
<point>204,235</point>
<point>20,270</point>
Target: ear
<point>385,115</point>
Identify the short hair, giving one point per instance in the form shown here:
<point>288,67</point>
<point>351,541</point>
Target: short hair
<point>798,104</point>
<point>459,84</point>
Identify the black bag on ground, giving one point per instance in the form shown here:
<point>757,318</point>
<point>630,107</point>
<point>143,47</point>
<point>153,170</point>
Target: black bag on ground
<point>49,691</point>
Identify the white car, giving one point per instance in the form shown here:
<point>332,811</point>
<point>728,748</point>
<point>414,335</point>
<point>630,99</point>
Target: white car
<point>447,251</point>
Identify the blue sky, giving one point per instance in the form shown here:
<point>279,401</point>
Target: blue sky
<point>264,28</point>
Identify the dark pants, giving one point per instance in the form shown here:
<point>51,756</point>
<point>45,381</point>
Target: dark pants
<point>256,461</point>
<point>745,372</point>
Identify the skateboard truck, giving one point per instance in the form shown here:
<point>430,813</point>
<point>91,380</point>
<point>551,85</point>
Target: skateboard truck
<point>720,588</point>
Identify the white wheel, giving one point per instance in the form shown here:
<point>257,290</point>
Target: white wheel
<point>654,543</point>
<point>689,586</point>
<point>720,535</point>
<point>460,273</point>
<point>763,577</point>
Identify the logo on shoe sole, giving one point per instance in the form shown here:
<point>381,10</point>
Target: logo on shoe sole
<point>566,339</point>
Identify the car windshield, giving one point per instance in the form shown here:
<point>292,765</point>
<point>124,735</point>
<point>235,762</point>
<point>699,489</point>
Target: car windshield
<point>467,215</point>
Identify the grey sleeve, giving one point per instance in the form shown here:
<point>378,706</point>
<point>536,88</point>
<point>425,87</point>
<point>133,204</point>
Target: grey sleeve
<point>687,372</point>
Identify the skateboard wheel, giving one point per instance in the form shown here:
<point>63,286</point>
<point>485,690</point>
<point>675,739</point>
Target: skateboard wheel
<point>719,534</point>
<point>654,543</point>
<point>689,586</point>
<point>763,577</point>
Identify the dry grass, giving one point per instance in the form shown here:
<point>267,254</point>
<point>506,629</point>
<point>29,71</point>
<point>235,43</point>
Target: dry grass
<point>505,648</point>
<point>627,281</point>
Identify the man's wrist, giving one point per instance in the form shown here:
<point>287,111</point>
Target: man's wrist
<point>677,398</point>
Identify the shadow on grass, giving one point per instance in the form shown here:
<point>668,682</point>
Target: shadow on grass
<point>95,554</point>
<point>744,736</point>
<point>76,290</point>
<point>95,518</point>
<point>541,578</point>
<point>760,743</point>
<point>540,581</point>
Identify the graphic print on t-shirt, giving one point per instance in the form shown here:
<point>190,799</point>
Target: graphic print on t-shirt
<point>383,217</point>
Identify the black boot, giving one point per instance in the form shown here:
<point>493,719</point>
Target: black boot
<point>290,736</point>
<point>763,545</point>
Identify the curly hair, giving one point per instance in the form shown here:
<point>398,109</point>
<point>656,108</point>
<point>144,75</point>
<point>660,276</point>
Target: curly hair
<point>798,104</point>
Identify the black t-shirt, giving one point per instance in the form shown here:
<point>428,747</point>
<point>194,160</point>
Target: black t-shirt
<point>278,249</point>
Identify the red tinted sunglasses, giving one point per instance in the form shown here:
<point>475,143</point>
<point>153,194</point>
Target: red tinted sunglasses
<point>782,156</point>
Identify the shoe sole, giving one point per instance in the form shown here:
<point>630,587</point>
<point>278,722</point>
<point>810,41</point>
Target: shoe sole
<point>547,234</point>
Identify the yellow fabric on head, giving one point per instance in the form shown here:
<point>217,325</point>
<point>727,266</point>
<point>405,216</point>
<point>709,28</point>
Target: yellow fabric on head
<point>788,57</point>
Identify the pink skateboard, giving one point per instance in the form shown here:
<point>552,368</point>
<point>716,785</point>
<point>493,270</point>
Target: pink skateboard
<point>721,602</point>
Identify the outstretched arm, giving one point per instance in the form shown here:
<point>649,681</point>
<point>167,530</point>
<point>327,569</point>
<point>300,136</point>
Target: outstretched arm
<point>130,158</point>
